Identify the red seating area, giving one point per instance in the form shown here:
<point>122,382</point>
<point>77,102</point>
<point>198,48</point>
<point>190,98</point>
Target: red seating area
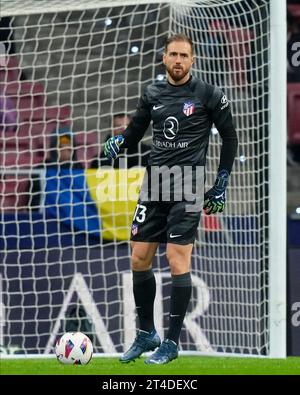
<point>11,71</point>
<point>238,43</point>
<point>293,113</point>
<point>294,9</point>
<point>14,192</point>
<point>25,144</point>
<point>87,147</point>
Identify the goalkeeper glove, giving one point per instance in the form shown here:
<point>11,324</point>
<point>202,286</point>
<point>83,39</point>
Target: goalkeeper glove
<point>215,198</point>
<point>112,146</point>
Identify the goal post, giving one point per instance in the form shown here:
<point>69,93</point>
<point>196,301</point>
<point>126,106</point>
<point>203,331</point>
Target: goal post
<point>277,173</point>
<point>64,251</point>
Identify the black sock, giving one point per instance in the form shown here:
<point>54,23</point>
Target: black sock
<point>180,296</point>
<point>144,288</point>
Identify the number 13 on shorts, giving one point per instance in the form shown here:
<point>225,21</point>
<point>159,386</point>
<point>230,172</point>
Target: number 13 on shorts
<point>140,213</point>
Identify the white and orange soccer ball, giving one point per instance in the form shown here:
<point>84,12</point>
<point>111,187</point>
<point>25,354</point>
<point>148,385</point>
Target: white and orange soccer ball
<point>74,348</point>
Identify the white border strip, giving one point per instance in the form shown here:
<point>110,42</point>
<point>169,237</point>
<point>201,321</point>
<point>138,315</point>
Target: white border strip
<point>277,169</point>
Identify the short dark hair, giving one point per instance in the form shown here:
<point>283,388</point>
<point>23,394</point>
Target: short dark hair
<point>179,37</point>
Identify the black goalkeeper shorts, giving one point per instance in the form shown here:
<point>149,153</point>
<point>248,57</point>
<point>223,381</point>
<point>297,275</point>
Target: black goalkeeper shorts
<point>164,222</point>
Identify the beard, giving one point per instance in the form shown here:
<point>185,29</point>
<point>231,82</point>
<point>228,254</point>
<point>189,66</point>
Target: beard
<point>177,74</point>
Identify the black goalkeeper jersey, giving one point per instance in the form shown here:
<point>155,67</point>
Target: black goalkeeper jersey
<point>182,117</point>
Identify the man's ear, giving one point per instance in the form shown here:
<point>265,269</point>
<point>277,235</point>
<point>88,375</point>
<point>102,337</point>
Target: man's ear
<point>164,58</point>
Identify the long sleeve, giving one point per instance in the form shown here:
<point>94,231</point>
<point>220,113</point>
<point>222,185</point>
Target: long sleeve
<point>138,124</point>
<point>222,118</point>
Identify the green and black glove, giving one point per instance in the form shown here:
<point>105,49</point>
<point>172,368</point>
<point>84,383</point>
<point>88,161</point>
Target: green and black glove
<point>215,198</point>
<point>112,146</point>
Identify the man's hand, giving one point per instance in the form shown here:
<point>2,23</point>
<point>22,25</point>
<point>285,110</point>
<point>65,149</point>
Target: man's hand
<point>215,198</point>
<point>112,146</point>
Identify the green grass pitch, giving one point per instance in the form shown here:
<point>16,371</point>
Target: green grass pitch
<point>190,365</point>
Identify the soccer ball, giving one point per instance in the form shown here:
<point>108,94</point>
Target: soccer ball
<point>74,348</point>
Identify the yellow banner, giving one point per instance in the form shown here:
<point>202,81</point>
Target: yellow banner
<point>115,192</point>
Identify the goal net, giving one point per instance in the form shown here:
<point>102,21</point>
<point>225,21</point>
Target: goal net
<point>65,70</point>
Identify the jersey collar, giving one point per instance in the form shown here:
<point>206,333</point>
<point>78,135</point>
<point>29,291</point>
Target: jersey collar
<point>178,86</point>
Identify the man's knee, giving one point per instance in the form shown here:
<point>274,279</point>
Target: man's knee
<point>139,261</point>
<point>179,259</point>
<point>176,262</point>
<point>142,256</point>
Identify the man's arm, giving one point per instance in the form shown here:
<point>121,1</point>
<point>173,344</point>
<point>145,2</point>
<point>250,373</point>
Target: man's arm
<point>222,118</point>
<point>139,123</point>
<point>219,108</point>
<point>134,131</point>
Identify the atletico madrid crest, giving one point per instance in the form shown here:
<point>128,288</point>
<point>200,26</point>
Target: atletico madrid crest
<point>134,229</point>
<point>188,108</point>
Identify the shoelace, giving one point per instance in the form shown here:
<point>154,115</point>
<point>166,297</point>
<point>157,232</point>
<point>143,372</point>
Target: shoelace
<point>138,341</point>
<point>165,347</point>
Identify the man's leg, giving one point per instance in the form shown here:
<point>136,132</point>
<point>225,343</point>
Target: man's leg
<point>144,286</point>
<point>144,289</point>
<point>179,257</point>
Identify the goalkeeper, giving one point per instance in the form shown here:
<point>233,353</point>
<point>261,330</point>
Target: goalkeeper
<point>182,110</point>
